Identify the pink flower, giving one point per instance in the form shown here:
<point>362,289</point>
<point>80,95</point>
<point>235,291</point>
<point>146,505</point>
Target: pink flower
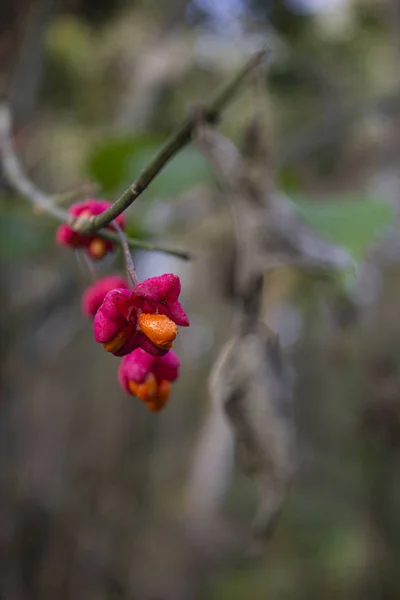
<point>95,246</point>
<point>148,377</point>
<point>160,295</point>
<point>94,295</point>
<point>127,320</point>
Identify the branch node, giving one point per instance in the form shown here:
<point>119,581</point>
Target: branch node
<point>136,189</point>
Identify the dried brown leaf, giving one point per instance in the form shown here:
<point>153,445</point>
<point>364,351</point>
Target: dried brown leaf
<point>254,388</point>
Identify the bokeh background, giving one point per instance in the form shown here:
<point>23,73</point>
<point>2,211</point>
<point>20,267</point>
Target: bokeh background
<point>101,499</point>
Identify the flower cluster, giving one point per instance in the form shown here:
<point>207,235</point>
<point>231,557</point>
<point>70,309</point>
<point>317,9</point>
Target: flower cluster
<point>138,324</point>
<point>149,377</point>
<point>96,247</point>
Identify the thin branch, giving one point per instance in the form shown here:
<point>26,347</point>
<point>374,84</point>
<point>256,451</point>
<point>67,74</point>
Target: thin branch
<point>130,267</point>
<point>18,180</point>
<point>211,113</point>
<point>15,175</point>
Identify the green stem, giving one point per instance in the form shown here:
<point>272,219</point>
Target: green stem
<point>143,245</point>
<point>210,111</point>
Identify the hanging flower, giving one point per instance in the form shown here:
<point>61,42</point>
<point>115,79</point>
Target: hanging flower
<point>148,377</point>
<point>94,295</point>
<point>127,320</point>
<point>96,247</point>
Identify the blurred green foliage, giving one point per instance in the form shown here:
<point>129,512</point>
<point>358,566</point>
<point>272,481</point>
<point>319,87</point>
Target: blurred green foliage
<point>116,163</point>
<point>352,222</point>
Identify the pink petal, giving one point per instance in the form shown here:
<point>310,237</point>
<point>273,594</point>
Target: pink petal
<point>117,303</point>
<point>166,367</point>
<point>66,236</point>
<point>155,289</point>
<point>146,291</point>
<point>94,295</point>
<point>105,329</point>
<point>76,209</point>
<point>112,316</point>
<point>95,207</point>
<point>137,365</point>
<point>175,312</point>
<point>170,286</point>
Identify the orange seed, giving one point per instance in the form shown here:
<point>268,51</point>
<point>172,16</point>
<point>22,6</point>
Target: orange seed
<point>97,248</point>
<point>159,329</point>
<point>117,342</point>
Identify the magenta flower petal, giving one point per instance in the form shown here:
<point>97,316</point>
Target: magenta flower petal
<point>160,294</point>
<point>117,303</point>
<point>166,367</point>
<point>105,329</point>
<point>94,295</point>
<point>175,312</point>
<point>157,289</point>
<point>137,365</point>
<point>134,366</point>
<point>95,207</point>
<point>67,236</point>
<point>113,315</point>
<point>169,286</point>
<point>76,209</point>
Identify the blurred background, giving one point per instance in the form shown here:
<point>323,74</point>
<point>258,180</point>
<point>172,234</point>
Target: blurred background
<point>100,499</point>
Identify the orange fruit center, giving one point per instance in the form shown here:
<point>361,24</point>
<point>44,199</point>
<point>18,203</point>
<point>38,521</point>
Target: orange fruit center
<point>159,329</point>
<point>97,248</point>
<point>154,395</point>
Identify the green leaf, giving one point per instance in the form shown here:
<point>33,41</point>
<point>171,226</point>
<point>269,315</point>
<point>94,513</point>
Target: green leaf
<point>352,222</point>
<point>118,162</point>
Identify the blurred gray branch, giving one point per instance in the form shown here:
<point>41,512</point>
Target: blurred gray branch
<point>269,230</point>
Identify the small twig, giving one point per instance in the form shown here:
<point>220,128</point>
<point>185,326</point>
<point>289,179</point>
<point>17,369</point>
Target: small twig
<point>18,180</point>
<point>211,113</point>
<point>130,267</point>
